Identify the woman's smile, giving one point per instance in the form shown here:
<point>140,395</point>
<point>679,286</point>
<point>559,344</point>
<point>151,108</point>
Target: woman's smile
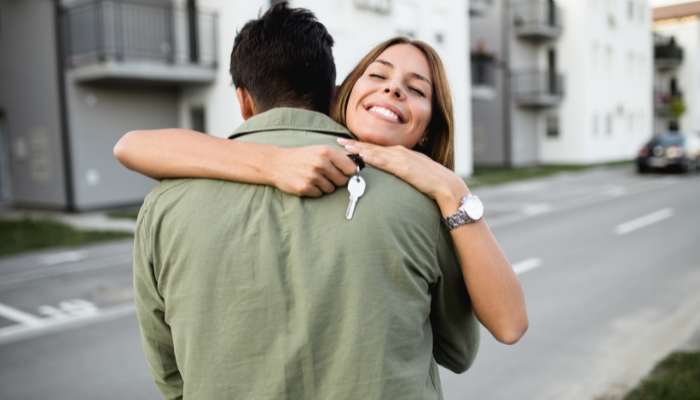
<point>385,111</point>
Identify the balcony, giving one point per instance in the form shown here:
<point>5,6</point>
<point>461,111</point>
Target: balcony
<point>668,55</point>
<point>537,89</point>
<point>537,20</point>
<point>483,71</point>
<point>662,102</point>
<point>479,7</point>
<point>115,41</point>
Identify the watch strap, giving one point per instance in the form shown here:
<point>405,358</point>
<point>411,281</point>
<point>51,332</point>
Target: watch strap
<point>456,220</point>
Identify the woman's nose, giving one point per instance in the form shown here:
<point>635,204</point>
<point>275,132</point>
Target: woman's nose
<point>395,91</point>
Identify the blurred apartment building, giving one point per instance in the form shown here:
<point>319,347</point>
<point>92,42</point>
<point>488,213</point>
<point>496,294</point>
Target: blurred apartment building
<point>677,67</point>
<point>75,75</point>
<point>561,82</point>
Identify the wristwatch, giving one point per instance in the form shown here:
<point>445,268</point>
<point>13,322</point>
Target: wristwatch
<point>471,210</point>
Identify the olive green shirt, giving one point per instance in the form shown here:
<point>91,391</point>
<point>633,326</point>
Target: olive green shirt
<point>245,292</point>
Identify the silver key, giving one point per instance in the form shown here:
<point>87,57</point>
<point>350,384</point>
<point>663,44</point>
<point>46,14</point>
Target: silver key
<point>356,187</point>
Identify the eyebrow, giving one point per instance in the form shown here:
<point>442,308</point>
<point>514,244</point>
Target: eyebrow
<point>413,74</point>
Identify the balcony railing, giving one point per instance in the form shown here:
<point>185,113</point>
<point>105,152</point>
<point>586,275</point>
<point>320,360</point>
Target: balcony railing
<point>662,101</point>
<point>483,71</point>
<point>479,7</point>
<point>667,56</point>
<point>537,20</point>
<point>537,88</point>
<point>122,33</point>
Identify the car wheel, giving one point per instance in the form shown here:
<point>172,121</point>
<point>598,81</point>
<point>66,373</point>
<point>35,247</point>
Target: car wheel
<point>642,169</point>
<point>691,167</point>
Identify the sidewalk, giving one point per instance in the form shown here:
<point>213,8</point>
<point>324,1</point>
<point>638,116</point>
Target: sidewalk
<point>95,220</point>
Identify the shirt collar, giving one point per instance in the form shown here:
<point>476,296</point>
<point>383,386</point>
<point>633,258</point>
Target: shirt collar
<point>293,119</point>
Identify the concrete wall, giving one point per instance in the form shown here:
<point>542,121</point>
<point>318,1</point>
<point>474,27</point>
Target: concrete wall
<point>99,116</point>
<point>355,32</point>
<point>30,100</point>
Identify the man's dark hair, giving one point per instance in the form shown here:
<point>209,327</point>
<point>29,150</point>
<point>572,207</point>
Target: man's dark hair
<point>284,59</point>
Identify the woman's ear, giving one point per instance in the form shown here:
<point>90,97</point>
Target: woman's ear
<point>246,103</point>
<point>424,140</point>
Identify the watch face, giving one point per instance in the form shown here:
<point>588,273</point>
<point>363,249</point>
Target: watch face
<point>474,208</point>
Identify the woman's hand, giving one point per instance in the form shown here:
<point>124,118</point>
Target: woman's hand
<point>426,175</point>
<point>309,171</point>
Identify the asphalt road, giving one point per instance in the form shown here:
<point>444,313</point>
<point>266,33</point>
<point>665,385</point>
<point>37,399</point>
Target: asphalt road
<point>609,261</point>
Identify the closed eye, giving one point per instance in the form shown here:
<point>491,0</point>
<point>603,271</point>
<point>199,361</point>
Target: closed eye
<point>420,92</point>
<point>376,76</point>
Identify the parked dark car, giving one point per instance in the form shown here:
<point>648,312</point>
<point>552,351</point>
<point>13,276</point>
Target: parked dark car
<point>672,150</point>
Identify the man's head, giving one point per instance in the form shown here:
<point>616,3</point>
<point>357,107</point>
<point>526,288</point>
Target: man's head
<point>284,59</point>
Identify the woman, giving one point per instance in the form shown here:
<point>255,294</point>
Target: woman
<point>397,102</point>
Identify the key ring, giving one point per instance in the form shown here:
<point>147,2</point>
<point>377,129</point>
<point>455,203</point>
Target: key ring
<point>358,160</point>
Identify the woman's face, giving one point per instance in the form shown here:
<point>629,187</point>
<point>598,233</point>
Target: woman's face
<point>391,103</point>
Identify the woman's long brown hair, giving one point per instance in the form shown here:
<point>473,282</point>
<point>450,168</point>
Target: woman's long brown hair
<point>440,145</point>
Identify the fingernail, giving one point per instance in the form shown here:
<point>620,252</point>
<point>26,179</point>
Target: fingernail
<point>342,141</point>
<point>349,147</point>
<point>363,156</point>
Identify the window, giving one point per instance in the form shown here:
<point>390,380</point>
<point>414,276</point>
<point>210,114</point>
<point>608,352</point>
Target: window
<point>594,125</point>
<point>197,119</point>
<point>609,59</point>
<point>552,126</point>
<point>630,65</point>
<point>273,2</point>
<point>609,125</point>
<point>630,9</point>
<point>630,124</point>
<point>5,185</point>
<point>594,57</point>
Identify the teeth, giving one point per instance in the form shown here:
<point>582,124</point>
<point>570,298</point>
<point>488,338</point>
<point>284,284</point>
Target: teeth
<point>385,112</point>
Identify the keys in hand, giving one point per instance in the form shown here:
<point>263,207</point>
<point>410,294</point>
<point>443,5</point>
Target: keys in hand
<point>356,187</point>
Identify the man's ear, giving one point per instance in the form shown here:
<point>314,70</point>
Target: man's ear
<point>246,103</point>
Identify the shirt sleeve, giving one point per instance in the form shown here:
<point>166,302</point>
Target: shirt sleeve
<point>150,308</point>
<point>456,331</point>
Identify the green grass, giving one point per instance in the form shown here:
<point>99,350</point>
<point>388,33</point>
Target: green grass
<point>26,235</point>
<point>124,214</point>
<point>494,175</point>
<point>677,377</point>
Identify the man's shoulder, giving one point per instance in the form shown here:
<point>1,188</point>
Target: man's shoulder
<point>165,186</point>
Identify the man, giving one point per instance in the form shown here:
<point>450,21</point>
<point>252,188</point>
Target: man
<point>243,291</point>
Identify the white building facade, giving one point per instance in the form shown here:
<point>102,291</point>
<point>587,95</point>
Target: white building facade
<point>357,26</point>
<point>677,71</point>
<point>572,82</point>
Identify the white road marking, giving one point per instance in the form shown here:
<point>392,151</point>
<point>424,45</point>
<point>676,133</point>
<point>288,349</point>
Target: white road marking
<point>21,277</point>
<point>69,308</point>
<point>23,331</point>
<point>616,191</point>
<point>646,220</point>
<point>537,209</point>
<point>66,256</point>
<point>527,265</point>
<point>20,316</point>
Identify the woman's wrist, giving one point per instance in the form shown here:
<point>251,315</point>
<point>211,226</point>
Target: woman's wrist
<point>450,198</point>
<point>268,169</point>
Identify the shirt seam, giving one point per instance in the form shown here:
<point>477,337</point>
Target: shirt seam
<point>145,232</point>
<point>437,269</point>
